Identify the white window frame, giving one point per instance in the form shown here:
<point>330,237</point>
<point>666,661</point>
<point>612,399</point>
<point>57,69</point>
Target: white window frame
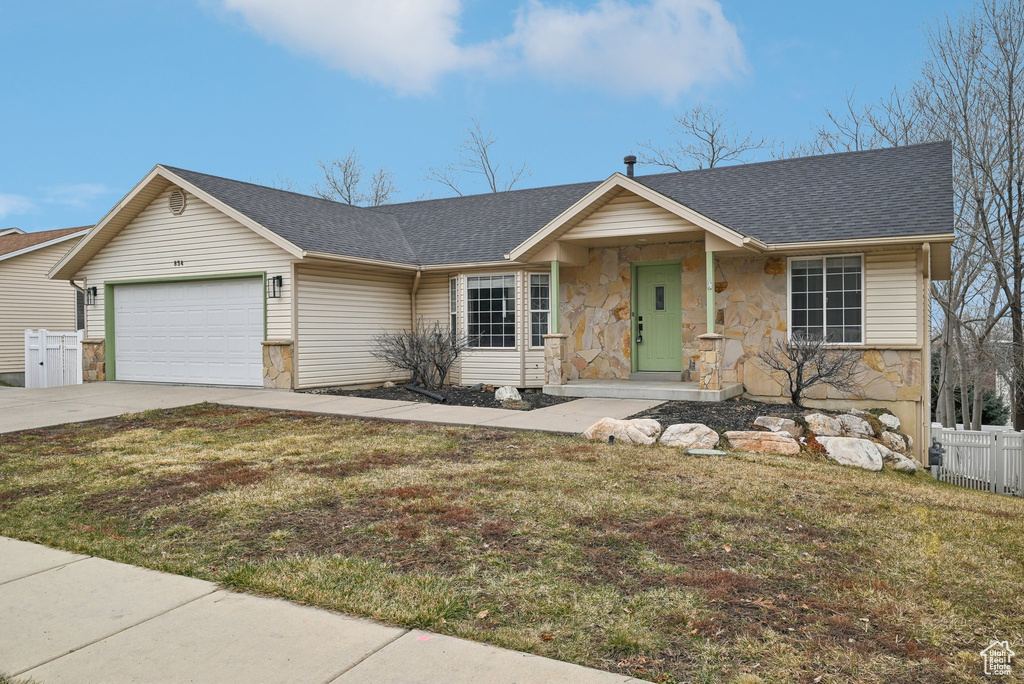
<point>453,304</point>
<point>863,296</point>
<point>529,306</point>
<point>515,308</point>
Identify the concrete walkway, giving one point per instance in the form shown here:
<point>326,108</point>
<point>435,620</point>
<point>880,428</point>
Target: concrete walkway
<point>73,618</point>
<point>24,409</point>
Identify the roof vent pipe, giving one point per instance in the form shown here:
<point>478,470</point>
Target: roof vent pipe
<point>629,160</point>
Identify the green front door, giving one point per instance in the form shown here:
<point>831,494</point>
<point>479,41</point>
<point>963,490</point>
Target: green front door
<point>659,318</point>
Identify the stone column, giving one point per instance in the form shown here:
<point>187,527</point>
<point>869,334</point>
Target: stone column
<point>556,359</point>
<point>712,351</point>
<point>94,360</point>
<point>277,364</point>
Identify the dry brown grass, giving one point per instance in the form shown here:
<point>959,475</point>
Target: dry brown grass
<point>637,560</point>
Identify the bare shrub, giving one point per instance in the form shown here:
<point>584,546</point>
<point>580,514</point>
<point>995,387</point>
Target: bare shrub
<point>810,361</point>
<point>428,351</point>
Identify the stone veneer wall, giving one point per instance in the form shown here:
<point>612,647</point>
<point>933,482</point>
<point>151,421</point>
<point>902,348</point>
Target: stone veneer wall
<point>277,364</point>
<point>94,360</point>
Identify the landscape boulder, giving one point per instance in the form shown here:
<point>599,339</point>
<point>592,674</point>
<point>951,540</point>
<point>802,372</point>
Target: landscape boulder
<point>855,426</point>
<point>822,425</point>
<point>790,427</point>
<point>894,441</point>
<point>507,393</point>
<point>388,385</point>
<point>637,431</point>
<point>690,436</point>
<point>897,462</point>
<point>757,442</point>
<point>853,451</point>
<point>889,422</point>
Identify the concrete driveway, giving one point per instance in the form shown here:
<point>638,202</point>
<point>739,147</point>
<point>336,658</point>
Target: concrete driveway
<point>26,409</point>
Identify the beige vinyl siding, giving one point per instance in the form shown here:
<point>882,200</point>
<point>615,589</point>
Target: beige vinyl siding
<point>28,299</point>
<point>892,298</point>
<point>206,240</point>
<point>628,214</point>
<point>340,311</point>
<point>432,305</point>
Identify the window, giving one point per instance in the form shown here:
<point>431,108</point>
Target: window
<point>491,311</point>
<point>453,305</point>
<point>540,308</point>
<point>79,310</point>
<point>826,298</point>
<point>659,298</point>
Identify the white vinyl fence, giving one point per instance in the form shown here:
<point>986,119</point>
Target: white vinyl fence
<point>991,461</point>
<point>53,359</point>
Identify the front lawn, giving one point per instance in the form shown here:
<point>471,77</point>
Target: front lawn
<point>638,560</point>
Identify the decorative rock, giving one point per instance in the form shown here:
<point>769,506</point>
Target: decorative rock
<point>894,441</point>
<point>890,422</point>
<point>757,442</point>
<point>851,451</point>
<point>854,426</point>
<point>775,424</point>
<point>822,425</point>
<point>507,393</point>
<point>388,385</point>
<point>690,436</point>
<point>637,431</point>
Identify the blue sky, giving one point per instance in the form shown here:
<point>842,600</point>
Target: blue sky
<point>92,95</point>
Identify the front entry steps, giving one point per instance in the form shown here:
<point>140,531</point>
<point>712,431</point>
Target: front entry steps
<point>656,376</point>
<point>629,389</point>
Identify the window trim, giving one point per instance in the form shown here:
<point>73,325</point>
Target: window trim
<point>453,306</point>
<point>515,309</point>
<point>863,296</point>
<point>530,310</point>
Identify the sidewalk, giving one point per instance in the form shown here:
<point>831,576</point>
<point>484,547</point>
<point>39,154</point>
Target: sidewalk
<point>73,618</point>
<point>29,409</point>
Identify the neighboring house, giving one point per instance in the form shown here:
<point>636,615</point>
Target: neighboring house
<point>202,279</point>
<point>28,299</point>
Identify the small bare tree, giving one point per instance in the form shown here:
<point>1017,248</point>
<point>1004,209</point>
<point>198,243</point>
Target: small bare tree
<point>810,361</point>
<point>474,158</point>
<point>343,182</point>
<point>704,138</point>
<point>428,351</point>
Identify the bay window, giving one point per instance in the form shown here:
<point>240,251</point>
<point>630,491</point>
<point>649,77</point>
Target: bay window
<point>826,298</point>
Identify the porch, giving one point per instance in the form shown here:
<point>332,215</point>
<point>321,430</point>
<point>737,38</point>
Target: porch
<point>644,389</point>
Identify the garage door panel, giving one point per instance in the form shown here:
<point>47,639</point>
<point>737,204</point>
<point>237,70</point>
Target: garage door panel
<point>203,332</point>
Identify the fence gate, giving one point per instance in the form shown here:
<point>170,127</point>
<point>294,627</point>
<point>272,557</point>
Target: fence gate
<point>53,359</point>
<point>982,460</point>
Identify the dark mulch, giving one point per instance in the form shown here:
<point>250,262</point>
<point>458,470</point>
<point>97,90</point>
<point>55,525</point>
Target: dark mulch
<point>454,396</point>
<point>735,414</point>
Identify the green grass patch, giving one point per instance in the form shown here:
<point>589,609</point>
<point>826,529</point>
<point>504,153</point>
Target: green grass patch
<point>638,560</point>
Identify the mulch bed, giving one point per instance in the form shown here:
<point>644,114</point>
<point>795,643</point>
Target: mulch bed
<point>734,414</point>
<point>454,396</point>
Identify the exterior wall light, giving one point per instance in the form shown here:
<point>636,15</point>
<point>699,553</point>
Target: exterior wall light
<point>274,286</point>
<point>90,296</point>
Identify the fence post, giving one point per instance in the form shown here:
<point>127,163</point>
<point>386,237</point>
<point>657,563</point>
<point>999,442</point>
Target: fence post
<point>998,464</point>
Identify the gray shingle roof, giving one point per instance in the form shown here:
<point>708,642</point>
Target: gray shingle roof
<point>903,191</point>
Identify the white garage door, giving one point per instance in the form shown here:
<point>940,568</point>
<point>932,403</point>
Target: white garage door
<point>203,331</point>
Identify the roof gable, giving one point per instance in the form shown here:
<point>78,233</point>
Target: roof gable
<point>15,244</point>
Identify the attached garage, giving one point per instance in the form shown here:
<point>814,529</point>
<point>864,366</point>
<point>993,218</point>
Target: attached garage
<point>192,331</point>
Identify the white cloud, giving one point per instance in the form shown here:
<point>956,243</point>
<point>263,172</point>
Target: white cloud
<point>14,204</point>
<point>77,195</point>
<point>658,46</point>
<point>406,44</point>
<point>662,46</point>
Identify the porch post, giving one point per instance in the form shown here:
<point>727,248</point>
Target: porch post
<point>710,270</point>
<point>553,293</point>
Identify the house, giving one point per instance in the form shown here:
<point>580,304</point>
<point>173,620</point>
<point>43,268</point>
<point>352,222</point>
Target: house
<point>28,298</point>
<point>581,288</point>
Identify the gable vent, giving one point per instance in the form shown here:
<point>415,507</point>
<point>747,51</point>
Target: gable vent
<point>176,202</point>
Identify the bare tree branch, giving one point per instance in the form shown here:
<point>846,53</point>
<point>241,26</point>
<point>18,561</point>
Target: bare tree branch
<point>704,138</point>
<point>343,182</point>
<point>810,361</point>
<point>475,158</point>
